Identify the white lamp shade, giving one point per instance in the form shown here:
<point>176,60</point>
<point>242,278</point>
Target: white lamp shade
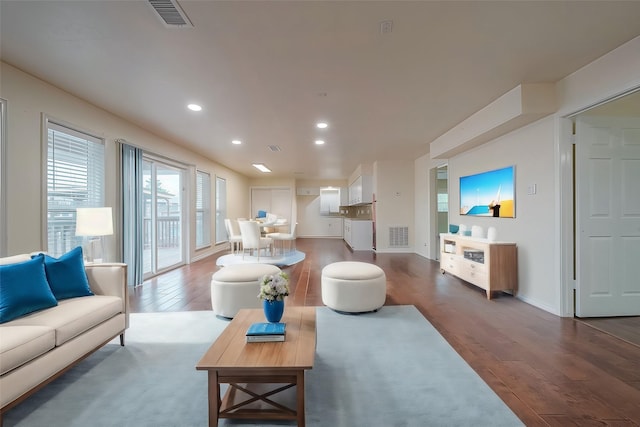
<point>94,222</point>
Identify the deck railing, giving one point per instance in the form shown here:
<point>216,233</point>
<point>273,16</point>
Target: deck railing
<point>62,234</point>
<point>168,232</point>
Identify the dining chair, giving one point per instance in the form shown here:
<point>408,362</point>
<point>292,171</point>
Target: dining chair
<point>285,237</point>
<point>235,240</point>
<point>251,239</point>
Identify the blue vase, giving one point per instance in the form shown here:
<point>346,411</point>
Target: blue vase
<point>273,310</point>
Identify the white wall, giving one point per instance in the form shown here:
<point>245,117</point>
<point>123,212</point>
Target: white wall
<point>610,75</point>
<point>531,150</point>
<point>28,98</point>
<point>422,207</point>
<point>394,195</point>
<point>310,222</point>
<point>425,234</point>
<point>542,154</point>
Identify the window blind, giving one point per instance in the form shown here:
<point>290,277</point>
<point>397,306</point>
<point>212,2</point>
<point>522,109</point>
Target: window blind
<point>203,209</point>
<point>75,179</point>
<point>221,209</point>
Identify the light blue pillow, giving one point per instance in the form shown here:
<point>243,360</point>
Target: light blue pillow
<point>66,275</point>
<point>24,289</point>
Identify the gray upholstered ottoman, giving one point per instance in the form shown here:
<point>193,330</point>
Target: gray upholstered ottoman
<point>237,286</point>
<point>353,287</point>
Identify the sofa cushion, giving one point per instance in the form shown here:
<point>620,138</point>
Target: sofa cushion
<point>66,275</point>
<point>74,316</point>
<point>24,289</point>
<point>20,344</point>
<point>14,259</point>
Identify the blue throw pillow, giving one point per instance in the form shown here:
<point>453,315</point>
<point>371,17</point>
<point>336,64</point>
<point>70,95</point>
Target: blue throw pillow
<point>66,275</point>
<point>24,289</point>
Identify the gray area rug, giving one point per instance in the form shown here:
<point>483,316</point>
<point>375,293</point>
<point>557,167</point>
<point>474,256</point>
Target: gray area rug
<point>286,259</point>
<point>389,368</point>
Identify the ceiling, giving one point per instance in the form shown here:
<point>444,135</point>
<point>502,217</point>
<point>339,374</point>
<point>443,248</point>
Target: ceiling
<point>265,72</point>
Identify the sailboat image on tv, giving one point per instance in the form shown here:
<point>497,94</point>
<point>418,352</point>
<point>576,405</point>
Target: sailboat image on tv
<point>489,193</point>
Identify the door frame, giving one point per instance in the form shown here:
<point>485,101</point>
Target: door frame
<point>566,200</point>
<point>433,233</point>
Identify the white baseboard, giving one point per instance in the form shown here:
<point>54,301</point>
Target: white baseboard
<point>538,304</point>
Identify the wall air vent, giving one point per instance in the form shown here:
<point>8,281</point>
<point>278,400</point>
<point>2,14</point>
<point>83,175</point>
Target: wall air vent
<point>399,237</point>
<point>171,13</point>
<point>274,148</point>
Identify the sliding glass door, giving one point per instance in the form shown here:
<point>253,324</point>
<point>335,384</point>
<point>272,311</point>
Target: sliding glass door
<point>164,240</point>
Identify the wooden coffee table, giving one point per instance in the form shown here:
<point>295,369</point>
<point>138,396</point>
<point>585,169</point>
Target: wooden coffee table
<point>246,367</point>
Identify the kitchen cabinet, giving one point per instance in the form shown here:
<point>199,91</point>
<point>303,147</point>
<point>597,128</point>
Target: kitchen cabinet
<point>346,234</point>
<point>358,234</point>
<point>321,227</point>
<point>308,191</point>
<point>361,190</point>
<point>344,196</point>
<point>333,227</point>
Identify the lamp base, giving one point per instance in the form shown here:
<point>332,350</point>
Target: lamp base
<point>94,251</point>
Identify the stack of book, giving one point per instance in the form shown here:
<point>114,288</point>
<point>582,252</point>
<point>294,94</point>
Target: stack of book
<point>266,332</point>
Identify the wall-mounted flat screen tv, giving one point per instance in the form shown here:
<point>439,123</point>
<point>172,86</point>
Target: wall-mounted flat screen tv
<point>490,193</point>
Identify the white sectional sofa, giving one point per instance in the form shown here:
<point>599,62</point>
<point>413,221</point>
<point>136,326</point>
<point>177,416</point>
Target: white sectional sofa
<point>38,347</point>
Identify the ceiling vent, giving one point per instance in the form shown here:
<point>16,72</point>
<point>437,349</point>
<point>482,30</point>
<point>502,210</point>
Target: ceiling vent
<point>386,27</point>
<point>274,148</point>
<point>171,13</point>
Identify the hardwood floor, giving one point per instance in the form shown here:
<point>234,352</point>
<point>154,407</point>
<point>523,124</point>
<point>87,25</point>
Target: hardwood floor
<point>551,371</point>
<point>626,328</point>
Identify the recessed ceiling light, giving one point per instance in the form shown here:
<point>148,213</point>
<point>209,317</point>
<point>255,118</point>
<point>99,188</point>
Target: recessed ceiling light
<point>321,125</point>
<point>236,142</point>
<point>261,167</point>
<point>194,107</point>
<point>319,142</point>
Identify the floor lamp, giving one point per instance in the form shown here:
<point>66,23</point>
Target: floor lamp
<point>94,223</point>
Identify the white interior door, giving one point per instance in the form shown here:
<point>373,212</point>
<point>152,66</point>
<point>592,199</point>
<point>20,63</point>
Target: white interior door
<point>607,216</point>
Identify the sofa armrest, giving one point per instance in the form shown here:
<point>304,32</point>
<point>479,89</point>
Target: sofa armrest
<point>110,279</point>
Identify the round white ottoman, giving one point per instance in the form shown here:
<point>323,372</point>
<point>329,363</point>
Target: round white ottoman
<point>353,287</point>
<point>237,286</point>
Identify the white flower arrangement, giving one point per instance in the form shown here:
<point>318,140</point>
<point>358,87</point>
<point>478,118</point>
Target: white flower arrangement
<point>274,287</point>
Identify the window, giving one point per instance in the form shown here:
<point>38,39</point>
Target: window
<point>443,202</point>
<point>203,209</point>
<point>75,179</point>
<point>221,209</point>
<point>329,201</point>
